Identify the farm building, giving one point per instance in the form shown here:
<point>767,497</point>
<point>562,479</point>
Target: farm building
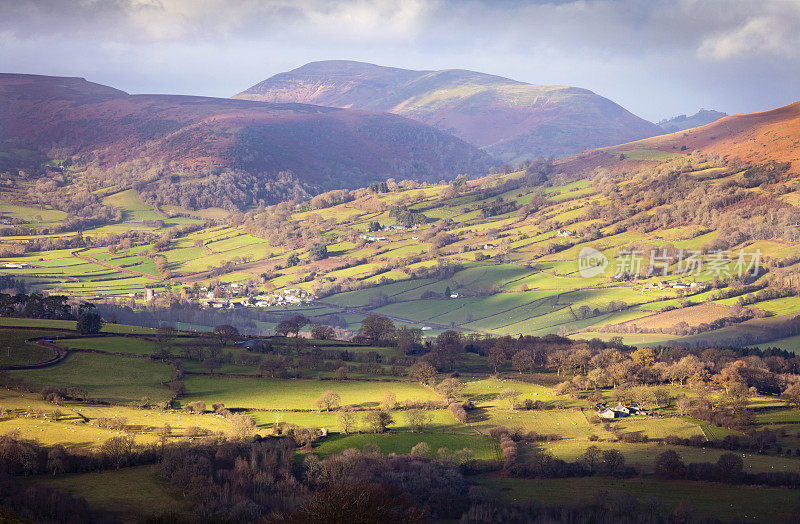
<point>677,285</point>
<point>15,265</point>
<point>371,238</point>
<point>618,411</point>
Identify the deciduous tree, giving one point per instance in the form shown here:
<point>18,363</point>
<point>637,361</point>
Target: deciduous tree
<point>328,401</point>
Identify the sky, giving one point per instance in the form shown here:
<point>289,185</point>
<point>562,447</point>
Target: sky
<point>657,58</point>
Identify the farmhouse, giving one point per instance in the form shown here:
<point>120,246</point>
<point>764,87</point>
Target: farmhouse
<point>397,227</point>
<point>371,238</point>
<point>564,233</point>
<point>15,265</point>
<point>676,285</point>
<point>618,411</point>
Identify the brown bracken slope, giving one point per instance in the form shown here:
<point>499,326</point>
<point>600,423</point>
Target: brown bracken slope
<point>753,138</point>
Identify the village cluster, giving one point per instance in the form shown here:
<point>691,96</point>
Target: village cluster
<point>236,294</point>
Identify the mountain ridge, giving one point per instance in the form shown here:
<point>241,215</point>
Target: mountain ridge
<point>326,148</point>
<point>757,137</point>
<point>509,119</point>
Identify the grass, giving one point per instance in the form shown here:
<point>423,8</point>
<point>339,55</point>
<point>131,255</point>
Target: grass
<point>694,316</point>
<point>722,501</point>
<point>32,215</point>
<point>570,424</point>
<point>658,428</point>
<point>105,377</point>
<point>70,325</point>
<point>402,442</point>
<point>133,209</point>
<point>77,427</point>
<point>789,344</point>
<point>643,455</point>
<point>68,434</point>
<point>439,420</point>
<point>125,495</point>
<point>128,345</point>
<point>15,351</point>
<point>295,394</point>
<point>485,393</point>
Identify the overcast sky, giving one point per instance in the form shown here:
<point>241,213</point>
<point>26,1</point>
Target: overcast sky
<point>658,58</point>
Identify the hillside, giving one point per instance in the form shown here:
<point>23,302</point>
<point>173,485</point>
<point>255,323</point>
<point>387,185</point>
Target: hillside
<point>769,136</point>
<point>681,122</point>
<point>323,148</point>
<point>511,120</point>
<point>498,254</point>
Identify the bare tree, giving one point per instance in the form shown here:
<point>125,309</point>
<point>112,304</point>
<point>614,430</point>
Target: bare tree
<point>328,401</point>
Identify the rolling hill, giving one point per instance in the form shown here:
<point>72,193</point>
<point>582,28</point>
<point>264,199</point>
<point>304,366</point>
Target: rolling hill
<point>324,148</point>
<point>511,120</point>
<point>495,255</point>
<point>768,136</point>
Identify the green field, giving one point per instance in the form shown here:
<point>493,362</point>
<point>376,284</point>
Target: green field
<point>70,325</point>
<point>296,394</point>
<point>642,456</point>
<point>482,447</point>
<point>105,377</point>
<point>15,351</point>
<point>127,345</point>
<point>722,501</point>
<point>118,495</point>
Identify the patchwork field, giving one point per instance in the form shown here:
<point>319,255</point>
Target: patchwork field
<point>506,273</point>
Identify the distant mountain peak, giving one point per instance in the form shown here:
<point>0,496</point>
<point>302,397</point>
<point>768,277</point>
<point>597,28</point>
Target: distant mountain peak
<point>683,122</point>
<point>509,119</point>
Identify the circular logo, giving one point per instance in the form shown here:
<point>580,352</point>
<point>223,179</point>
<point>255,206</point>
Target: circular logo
<point>591,262</point>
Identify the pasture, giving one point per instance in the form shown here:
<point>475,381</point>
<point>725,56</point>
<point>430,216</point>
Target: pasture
<point>105,377</point>
<point>297,394</point>
<point>482,447</point>
<point>642,456</point>
<point>761,504</point>
<point>15,351</point>
<point>119,495</point>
